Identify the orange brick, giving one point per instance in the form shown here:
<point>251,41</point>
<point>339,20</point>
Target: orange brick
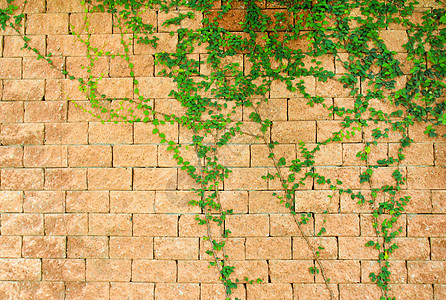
<point>265,202</point>
<point>260,154</point>
<point>108,269</point>
<point>132,201</point>
<point>131,247</point>
<point>87,247</point>
<point>367,221</point>
<point>44,201</point>
<point>144,135</point>
<point>11,112</point>
<point>155,179</point>
<point>11,68</point>
<point>332,88</point>
<point>11,157</point>
<point>320,201</point>
<point>328,155</point>
<point>420,201</point>
<point>299,110</point>
<point>180,291</point>
<point>268,248</point>
<point>326,128</point>
<point>230,20</point>
<point>411,291</point>
<point>252,269</point>
<point>43,111</point>
<point>234,248</point>
<point>11,201</point>
<point>65,6</point>
<point>279,89</point>
<point>98,22</point>
<point>412,249</point>
<point>23,90</point>
<point>358,291</point>
<point>349,176</point>
<point>440,154</point>
<point>383,176</point>
<point>20,269</point>
<point>63,269</point>
<point>77,67</point>
<point>22,134</point>
<point>355,248</point>
<point>47,24</point>
<point>165,157</point>
<point>426,271</point>
<point>176,248</point>
<point>371,132</point>
<point>439,291</point>
<point>66,179</point>
<point>116,87</point>
<point>206,67</point>
<point>175,202</point>
<point>13,46</point>
<point>22,179</point>
<point>246,179</point>
<point>135,155</point>
<point>156,87</point>
<point>64,89</point>
<point>111,42</point>
<point>314,291</point>
<point>90,156</point>
<point>154,270</point>
<point>143,65</point>
<point>235,200</point>
<point>412,152</point>
<point>426,225</point>
<point>66,133</point>
<point>294,131</point>
<point>426,178</point>
<point>189,227</point>
<point>285,225</point>
<point>38,69</point>
<point>155,225</point>
<point>197,271</point>
<point>66,224</point>
<point>47,290</point>
<point>349,152</point>
<point>44,247</point>
<point>166,42</point>
<point>338,225</point>
<point>269,291</point>
<point>302,251</point>
<point>248,225</point>
<point>110,179</point>
<point>10,289</point>
<point>110,133</point>
<point>133,290</point>
<point>189,23</point>
<point>341,271</point>
<point>10,247</point>
<point>110,224</point>
<point>45,156</point>
<point>66,45</point>
<point>217,291</point>
<point>86,290</point>
<point>397,269</point>
<point>394,39</point>
<point>416,132</point>
<point>37,6</point>
<point>439,201</point>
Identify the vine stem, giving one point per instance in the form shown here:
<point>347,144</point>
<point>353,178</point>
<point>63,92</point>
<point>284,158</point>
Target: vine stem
<point>301,230</point>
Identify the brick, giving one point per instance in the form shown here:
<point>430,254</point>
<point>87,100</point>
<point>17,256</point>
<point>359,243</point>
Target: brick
<point>66,224</point>
<point>411,291</point>
<point>22,179</point>
<point>270,291</point>
<point>155,225</point>
<point>355,248</point>
<point>234,249</point>
<point>320,201</point>
<point>326,128</point>
<point>144,135</point>
<point>420,201</point>
<point>426,177</point>
<point>189,227</point>
<point>134,156</point>
<point>397,269</point>
<point>66,133</point>
<point>23,90</point>
<point>180,291</point>
<point>90,156</point>
<point>279,89</point>
<point>9,290</point>
<point>299,110</point>
<point>11,68</point>
<point>440,154</point>
<point>302,251</point>
<point>63,269</point>
<point>438,246</point>
<point>133,290</point>
<point>341,271</point>
<point>155,179</point>
<point>176,248</point>
<point>98,23</point>
<point>116,87</point>
<point>156,87</point>
<point>426,272</point>
<point>349,176</point>
<point>110,224</point>
<point>265,202</point>
<point>110,179</point>
<point>367,221</point>
<point>45,156</point>
<point>349,152</point>
<point>394,39</point>
<point>64,89</point>
<point>131,247</point>
<point>273,110</point>
<point>286,225</point>
<point>189,23</point>
<point>46,290</point>
<point>11,157</point>
<point>108,270</point>
<point>216,291</point>
<point>207,69</point>
<point>260,154</point>
<point>235,200</point>
<point>20,269</point>
<point>110,133</point>
<point>197,271</point>
<point>54,6</point>
<point>248,225</point>
<point>439,201</point>
<point>268,248</point>
<point>426,225</point>
<point>412,156</point>
<point>47,24</point>
<point>338,225</point>
<point>66,179</point>
<point>175,202</point>
<point>86,290</point>
<point>44,202</point>
<point>10,247</point>
<point>383,176</point>
<point>34,69</point>
<point>249,268</point>
<point>294,131</point>
<point>87,201</point>
<point>314,291</point>
<point>382,133</point>
<point>327,155</point>
<point>166,42</point>
<point>143,66</point>
<point>87,247</point>
<point>111,43</point>
<point>132,201</point>
<point>230,20</point>
<point>154,270</point>
<point>66,45</point>
<point>77,67</point>
<point>22,134</point>
<point>439,291</point>
<point>43,111</point>
<point>13,46</point>
<point>358,291</point>
<point>43,247</point>
<point>166,159</point>
<point>246,179</point>
<point>11,112</point>
<point>332,88</point>
<point>37,6</point>
<point>284,271</point>
<point>11,201</point>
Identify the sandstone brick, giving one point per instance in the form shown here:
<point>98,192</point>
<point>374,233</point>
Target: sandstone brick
<point>11,68</point>
<point>189,227</point>
<point>397,268</point>
<point>299,110</point>
<point>43,247</point>
<point>273,110</point>
<point>155,179</point>
<point>109,179</point>
<point>116,87</point>
<point>86,290</point>
<point>45,290</point>
<point>384,176</point>
<point>11,156</point>
<point>349,152</point>
<point>11,112</point>
<point>332,88</point>
<point>426,225</point>
<point>235,200</point>
<point>265,202</point>
<point>426,177</point>
<point>439,291</point>
<point>22,179</point>
<point>154,270</point>
<point>132,202</point>
<point>294,131</point>
<point>110,133</point>
<point>90,156</point>
<point>382,133</point>
<point>197,271</point>
<point>44,201</point>
<point>438,246</point>
<point>216,291</point>
<point>314,291</point>
<point>234,248</point>
<point>166,159</point>
<point>248,225</point>
<point>367,221</point>
<point>87,247</point>
<point>260,154</point>
<point>11,201</point>
<point>349,205</point>
<point>326,128</point>
<point>45,156</point>
<point>246,179</point>
<point>394,39</point>
<point>252,269</point>
<point>341,271</point>
<point>355,248</point>
<point>411,291</point>
<point>131,247</point>
<point>64,89</point>
<point>55,6</point>
<point>22,134</point>
<point>43,111</point>
<point>302,251</point>
<point>439,201</point>
<point>63,269</point>
<point>110,224</point>
<point>175,202</point>
<point>77,66</point>
<point>270,291</point>
<point>420,201</point>
<point>144,135</point>
<point>349,176</point>
<point>111,43</point>
<point>412,249</point>
<point>279,89</point>
<point>268,248</point>
<point>108,270</point>
<point>13,46</point>
<point>440,154</point>
<point>358,291</point>
<point>285,225</point>
<point>176,248</point>
<point>134,290</point>
<point>156,87</point>
<point>10,247</point>
<point>166,42</point>
<point>155,225</point>
<point>134,156</point>
<point>180,291</point>
<point>47,24</point>
<point>316,201</point>
<point>38,69</point>
<point>20,269</point>
<point>9,289</point>
<point>143,66</point>
<point>23,90</point>
<point>66,133</point>
<point>98,23</point>
<point>338,225</point>
<point>66,179</point>
<point>66,45</point>
<point>37,6</point>
<point>66,224</point>
<point>412,156</point>
<point>426,271</point>
<point>285,271</point>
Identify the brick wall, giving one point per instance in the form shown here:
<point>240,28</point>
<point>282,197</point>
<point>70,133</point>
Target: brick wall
<point>99,211</point>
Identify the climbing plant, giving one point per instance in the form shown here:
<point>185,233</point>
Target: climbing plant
<point>350,32</point>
